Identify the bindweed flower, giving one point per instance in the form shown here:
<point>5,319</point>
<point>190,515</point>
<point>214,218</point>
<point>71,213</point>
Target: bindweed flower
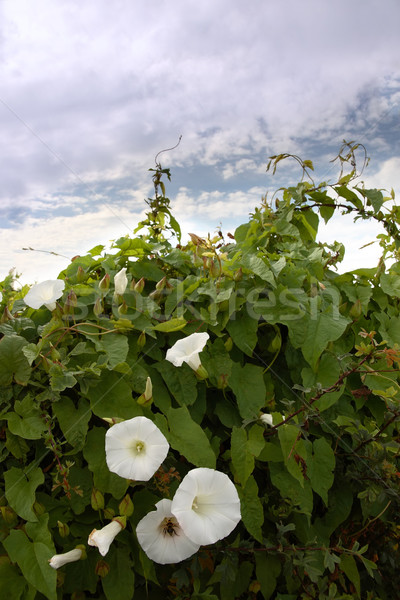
<point>120,282</point>
<point>59,560</point>
<point>103,538</point>
<point>187,350</point>
<point>206,505</point>
<point>135,448</point>
<point>162,538</point>
<point>146,398</point>
<point>46,292</point>
<point>268,420</point>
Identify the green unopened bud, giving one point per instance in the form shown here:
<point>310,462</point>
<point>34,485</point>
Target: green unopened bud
<point>237,276</point>
<point>141,341</point>
<point>39,509</point>
<point>215,269</point>
<point>97,499</point>
<point>109,513</point>
<point>228,344</point>
<point>125,507</point>
<point>70,303</point>
<point>356,310</point>
<point>156,295</point>
<point>201,373</point>
<point>98,308</point>
<point>81,275</point>
<point>222,381</point>
<point>104,284</point>
<point>139,286</point>
<point>9,516</point>
<point>123,308</point>
<point>102,568</point>
<point>147,397</point>
<point>63,529</point>
<point>132,284</point>
<point>161,284</point>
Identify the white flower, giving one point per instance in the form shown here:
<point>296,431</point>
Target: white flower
<point>120,282</point>
<point>1,297</point>
<point>206,505</point>
<point>46,292</point>
<point>148,392</point>
<point>135,448</point>
<point>187,350</point>
<point>162,538</point>
<point>103,538</point>
<point>268,419</point>
<point>59,560</point>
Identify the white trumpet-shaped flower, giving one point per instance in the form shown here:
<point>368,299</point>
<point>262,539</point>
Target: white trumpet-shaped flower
<point>187,350</point>
<point>162,538</point>
<point>59,560</point>
<point>120,282</point>
<point>103,538</point>
<point>268,419</point>
<point>135,448</point>
<point>206,505</point>
<point>45,293</point>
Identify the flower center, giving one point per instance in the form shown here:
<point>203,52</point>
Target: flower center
<point>138,447</point>
<point>194,504</point>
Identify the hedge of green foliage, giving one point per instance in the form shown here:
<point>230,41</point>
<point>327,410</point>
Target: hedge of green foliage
<point>296,403</point>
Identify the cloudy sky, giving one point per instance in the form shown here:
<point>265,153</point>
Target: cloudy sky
<point>91,91</point>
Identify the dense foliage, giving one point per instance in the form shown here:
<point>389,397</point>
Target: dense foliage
<point>315,351</point>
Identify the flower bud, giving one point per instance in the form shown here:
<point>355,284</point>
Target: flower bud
<point>228,344</point>
<point>215,268</point>
<point>147,397</point>
<point>59,560</point>
<point>97,499</point>
<point>9,516</point>
<point>123,308</point>
<point>161,284</point>
<point>238,275</point>
<point>222,381</point>
<point>104,284</point>
<point>63,529</point>
<point>102,568</point>
<point>156,295</point>
<point>120,282</point>
<point>38,508</point>
<point>141,341</point>
<point>139,286</point>
<point>356,310</point>
<point>109,513</point>
<point>98,308</point>
<point>81,275</point>
<point>125,507</point>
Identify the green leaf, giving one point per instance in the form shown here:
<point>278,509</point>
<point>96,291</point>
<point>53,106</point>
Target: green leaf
<point>314,332</point>
<point>248,385</point>
<point>243,330</point>
<point>60,378</point>
<point>181,382</point>
<point>95,454</point>
<point>12,584</point>
<point>73,421</point>
<point>349,567</point>
<point>242,459</point>
<point>172,325</point>
<point>320,468</point>
<point>112,397</point>
<point>120,581</point>
<point>251,508</point>
<point>256,441</point>
<point>259,267</point>
<point>374,198</point>
<point>188,438</point>
<point>29,428</point>
<point>32,559</point>
<point>115,347</point>
<point>290,488</point>
<point>268,568</point>
<point>292,447</point>
<point>20,490</point>
<point>13,362</point>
